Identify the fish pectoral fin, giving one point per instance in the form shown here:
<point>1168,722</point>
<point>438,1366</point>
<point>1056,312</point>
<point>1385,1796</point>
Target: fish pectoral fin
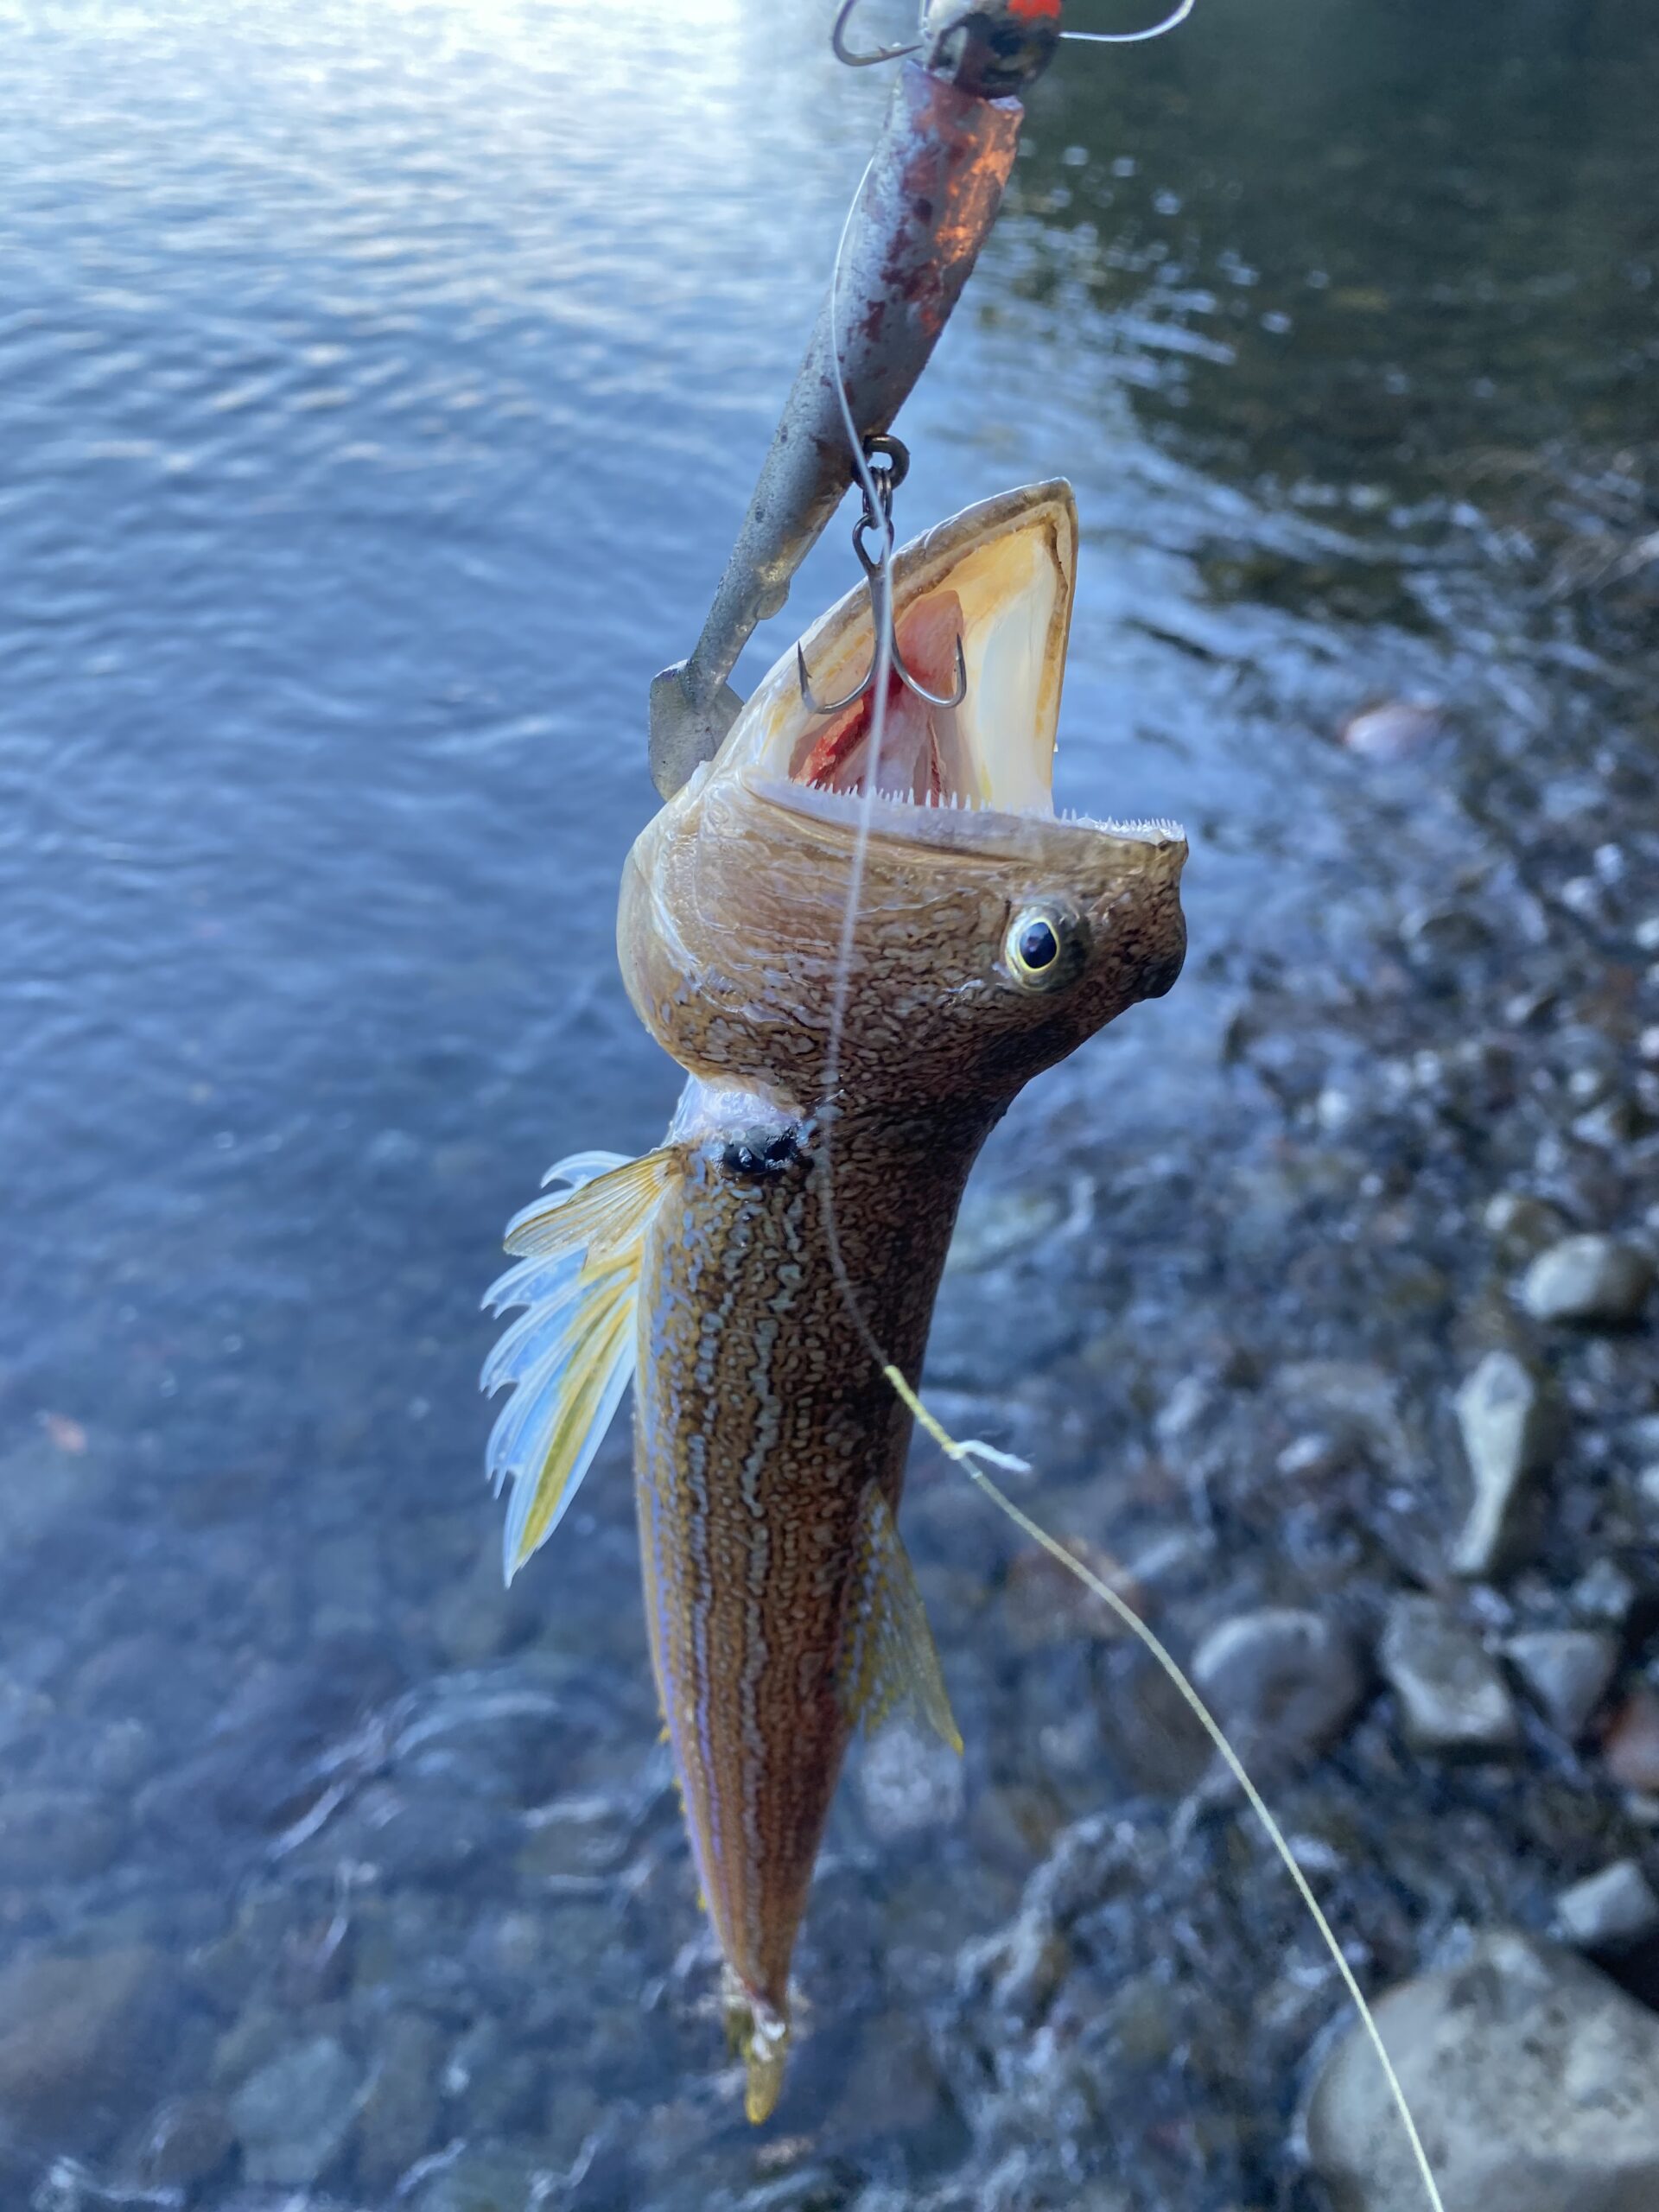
<point>888,1655</point>
<point>606,1209</point>
<point>570,1355</point>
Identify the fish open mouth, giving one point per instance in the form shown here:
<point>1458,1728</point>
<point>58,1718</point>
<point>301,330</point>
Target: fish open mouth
<point>996,581</point>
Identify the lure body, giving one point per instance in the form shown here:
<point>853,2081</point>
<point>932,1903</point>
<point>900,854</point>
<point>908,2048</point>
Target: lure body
<point>757,1273</point>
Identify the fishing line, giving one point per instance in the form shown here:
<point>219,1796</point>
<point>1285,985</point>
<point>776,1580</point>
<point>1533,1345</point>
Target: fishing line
<point>1133,38</point>
<point>972,1457</point>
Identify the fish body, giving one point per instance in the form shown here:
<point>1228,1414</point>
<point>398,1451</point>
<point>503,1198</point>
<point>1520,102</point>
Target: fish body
<point>758,1273</point>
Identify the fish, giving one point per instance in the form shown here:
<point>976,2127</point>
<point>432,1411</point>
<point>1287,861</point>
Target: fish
<point>754,1275</point>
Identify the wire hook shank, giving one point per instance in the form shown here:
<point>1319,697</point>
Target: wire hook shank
<point>855,60</point>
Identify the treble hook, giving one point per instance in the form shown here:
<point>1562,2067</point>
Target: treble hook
<point>844,52</point>
<point>877,575</point>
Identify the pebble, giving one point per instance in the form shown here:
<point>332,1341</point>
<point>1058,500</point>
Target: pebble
<point>1567,1671</point>
<point>1530,2076</point>
<point>1631,1750</point>
<point>1614,1907</point>
<point>293,2116</point>
<point>1282,1682</point>
<point>1508,1426</point>
<point>1590,1279</point>
<point>1451,1696</point>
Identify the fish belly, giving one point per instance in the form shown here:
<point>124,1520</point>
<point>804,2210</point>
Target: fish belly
<point>760,1420</point>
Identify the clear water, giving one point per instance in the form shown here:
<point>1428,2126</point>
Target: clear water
<point>380,387</point>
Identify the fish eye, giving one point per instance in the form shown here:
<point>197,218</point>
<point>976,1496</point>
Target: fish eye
<point>1042,949</point>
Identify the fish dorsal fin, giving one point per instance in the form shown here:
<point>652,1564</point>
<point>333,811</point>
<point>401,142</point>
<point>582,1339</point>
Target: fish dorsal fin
<point>887,1656</point>
<point>570,1354</point>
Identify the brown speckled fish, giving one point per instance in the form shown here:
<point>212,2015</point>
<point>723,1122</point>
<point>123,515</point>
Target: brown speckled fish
<point>991,939</point>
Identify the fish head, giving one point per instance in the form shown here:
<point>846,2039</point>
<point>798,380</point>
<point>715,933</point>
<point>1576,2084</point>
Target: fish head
<point>988,937</point>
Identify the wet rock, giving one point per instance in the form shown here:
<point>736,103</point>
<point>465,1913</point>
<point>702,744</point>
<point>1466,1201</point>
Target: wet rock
<point>908,1780</point>
<point>1614,1907</point>
<point>1451,1696</point>
<point>55,1835</point>
<point>1530,2076</point>
<point>1567,1671</point>
<point>187,2141</point>
<point>82,2045</point>
<point>395,2122</point>
<point>1282,1682</point>
<point>1508,1426</point>
<point>1588,1279</point>
<point>293,2116</point>
<point>1631,1750</point>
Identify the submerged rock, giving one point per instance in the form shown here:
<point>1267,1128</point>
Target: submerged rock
<point>83,2045</point>
<point>1530,2076</point>
<point>1451,1696</point>
<point>293,2116</point>
<point>186,2142</point>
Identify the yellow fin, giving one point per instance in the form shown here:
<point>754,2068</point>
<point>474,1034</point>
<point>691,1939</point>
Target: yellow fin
<point>600,1215</point>
<point>887,1656</point>
<point>570,1355</point>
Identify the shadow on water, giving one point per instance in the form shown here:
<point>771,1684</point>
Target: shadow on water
<point>380,389</point>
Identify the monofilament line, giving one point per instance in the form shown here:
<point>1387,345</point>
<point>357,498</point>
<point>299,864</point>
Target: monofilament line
<point>1132,38</point>
<point>971,1457</point>
<point>968,1457</point>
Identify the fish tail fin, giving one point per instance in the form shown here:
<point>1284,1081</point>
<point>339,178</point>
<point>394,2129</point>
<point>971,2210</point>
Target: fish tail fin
<point>758,2034</point>
<point>570,1355</point>
<point>888,1655</point>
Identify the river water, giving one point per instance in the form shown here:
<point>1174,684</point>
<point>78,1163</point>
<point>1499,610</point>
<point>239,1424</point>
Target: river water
<point>380,388</point>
